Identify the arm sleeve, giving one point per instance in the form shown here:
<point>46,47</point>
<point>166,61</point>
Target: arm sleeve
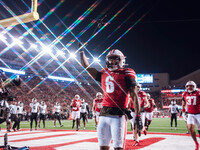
<point>130,82</point>
<point>98,78</point>
<point>130,78</point>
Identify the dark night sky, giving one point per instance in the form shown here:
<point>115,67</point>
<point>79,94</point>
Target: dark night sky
<point>165,40</point>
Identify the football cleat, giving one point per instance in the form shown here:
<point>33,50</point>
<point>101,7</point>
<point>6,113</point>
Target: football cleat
<point>136,143</point>
<point>145,132</point>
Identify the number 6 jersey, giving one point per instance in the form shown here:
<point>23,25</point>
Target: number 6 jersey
<point>192,101</point>
<point>115,85</point>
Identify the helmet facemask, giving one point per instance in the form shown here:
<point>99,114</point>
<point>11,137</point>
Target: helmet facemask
<point>115,60</point>
<point>190,86</point>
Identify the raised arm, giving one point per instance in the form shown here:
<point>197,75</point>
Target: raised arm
<point>94,73</point>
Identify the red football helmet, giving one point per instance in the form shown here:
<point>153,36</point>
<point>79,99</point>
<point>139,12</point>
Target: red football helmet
<point>148,96</point>
<point>190,86</point>
<point>138,87</point>
<point>99,95</point>
<point>119,58</point>
<point>77,97</point>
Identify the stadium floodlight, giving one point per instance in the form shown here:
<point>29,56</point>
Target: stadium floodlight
<point>17,42</point>
<point>61,78</point>
<point>12,71</point>
<point>96,60</point>
<point>72,55</point>
<point>33,46</point>
<point>46,49</point>
<point>2,37</point>
<point>59,52</point>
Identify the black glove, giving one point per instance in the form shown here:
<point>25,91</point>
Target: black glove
<point>128,114</point>
<point>138,124</point>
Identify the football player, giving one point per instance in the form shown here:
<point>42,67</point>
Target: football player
<point>143,104</point>
<point>43,110</point>
<point>75,104</point>
<point>97,105</point>
<point>191,98</point>
<point>116,82</point>
<point>20,113</point>
<point>84,110</point>
<point>149,111</point>
<point>173,110</point>
<point>57,110</point>
<point>14,114</point>
<point>34,112</point>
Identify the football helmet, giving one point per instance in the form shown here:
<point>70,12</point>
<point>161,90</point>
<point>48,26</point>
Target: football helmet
<point>57,104</point>
<point>190,89</point>
<point>77,97</point>
<point>172,102</point>
<point>138,85</point>
<point>119,58</point>
<point>148,96</point>
<point>34,100</point>
<point>83,101</point>
<point>20,103</point>
<point>98,95</point>
<point>42,103</point>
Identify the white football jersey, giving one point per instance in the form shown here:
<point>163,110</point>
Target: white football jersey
<point>42,109</point>
<point>4,103</point>
<point>20,109</point>
<point>83,108</point>
<point>57,108</point>
<point>173,109</point>
<point>34,107</point>
<point>13,109</point>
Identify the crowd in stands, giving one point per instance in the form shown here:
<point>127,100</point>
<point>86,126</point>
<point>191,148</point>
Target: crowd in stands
<point>51,91</point>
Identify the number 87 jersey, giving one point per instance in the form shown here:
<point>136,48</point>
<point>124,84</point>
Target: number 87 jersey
<point>115,85</point>
<point>193,101</point>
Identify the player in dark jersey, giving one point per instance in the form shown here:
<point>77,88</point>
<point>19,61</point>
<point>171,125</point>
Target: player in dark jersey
<point>191,98</point>
<point>116,83</point>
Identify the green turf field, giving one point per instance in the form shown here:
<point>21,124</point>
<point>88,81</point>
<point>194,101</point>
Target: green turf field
<point>157,125</point>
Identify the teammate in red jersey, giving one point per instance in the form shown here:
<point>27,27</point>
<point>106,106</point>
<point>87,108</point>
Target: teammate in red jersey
<point>143,104</point>
<point>191,98</point>
<point>116,83</point>
<point>97,105</point>
<point>75,104</point>
<point>149,111</point>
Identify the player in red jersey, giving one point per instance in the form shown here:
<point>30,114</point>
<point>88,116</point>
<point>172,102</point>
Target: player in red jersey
<point>143,104</point>
<point>149,111</point>
<point>191,98</point>
<point>75,104</point>
<point>116,83</point>
<point>97,105</point>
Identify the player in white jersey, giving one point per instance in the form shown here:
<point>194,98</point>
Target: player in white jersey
<point>14,116</point>
<point>20,114</point>
<point>57,110</point>
<point>84,110</point>
<point>173,109</point>
<point>34,112</point>
<point>43,110</point>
